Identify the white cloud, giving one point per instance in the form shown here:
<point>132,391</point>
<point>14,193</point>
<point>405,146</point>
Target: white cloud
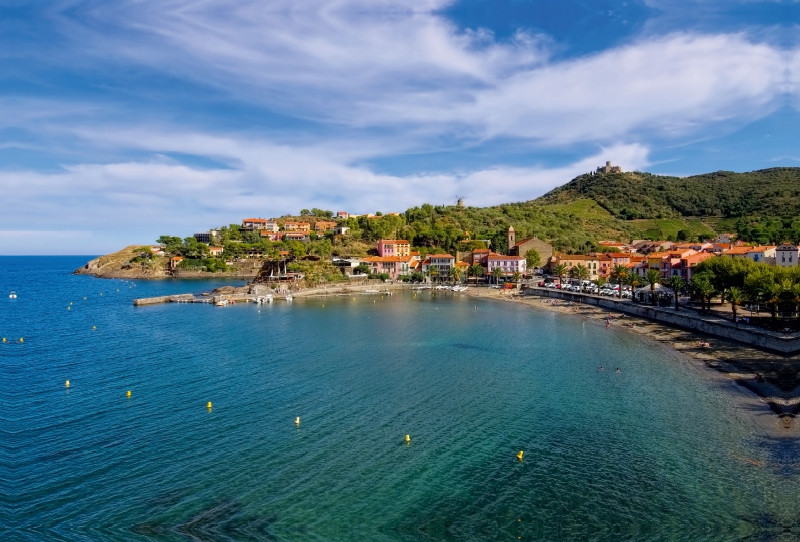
<point>400,64</point>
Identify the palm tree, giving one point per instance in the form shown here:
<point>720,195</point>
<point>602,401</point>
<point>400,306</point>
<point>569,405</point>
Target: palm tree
<point>704,290</point>
<point>455,273</point>
<point>633,281</point>
<point>478,270</point>
<point>677,283</point>
<point>653,277</point>
<point>601,281</point>
<point>772,294</point>
<point>433,272</point>
<point>561,270</point>
<point>582,272</point>
<point>497,274</point>
<point>516,277</point>
<point>618,275</point>
<point>735,296</point>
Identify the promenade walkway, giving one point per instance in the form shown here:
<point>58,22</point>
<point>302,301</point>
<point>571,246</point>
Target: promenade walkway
<point>782,343</point>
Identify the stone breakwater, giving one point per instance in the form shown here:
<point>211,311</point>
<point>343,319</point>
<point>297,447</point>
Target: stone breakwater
<point>252,293</point>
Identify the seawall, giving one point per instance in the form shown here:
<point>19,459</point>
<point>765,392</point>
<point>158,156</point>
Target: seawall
<point>787,344</point>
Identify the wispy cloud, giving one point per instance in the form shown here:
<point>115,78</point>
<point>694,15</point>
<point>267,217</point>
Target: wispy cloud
<point>291,100</point>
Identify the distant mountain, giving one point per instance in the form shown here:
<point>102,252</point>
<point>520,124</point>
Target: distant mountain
<point>768,193</point>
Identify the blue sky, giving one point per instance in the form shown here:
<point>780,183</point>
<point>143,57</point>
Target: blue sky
<point>125,120</point>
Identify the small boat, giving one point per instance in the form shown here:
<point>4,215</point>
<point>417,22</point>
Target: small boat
<point>288,297</point>
<point>13,295</point>
<point>221,303</point>
<point>372,291</point>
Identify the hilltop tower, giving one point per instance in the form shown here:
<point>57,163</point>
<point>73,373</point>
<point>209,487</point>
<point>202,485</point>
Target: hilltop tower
<point>512,238</point>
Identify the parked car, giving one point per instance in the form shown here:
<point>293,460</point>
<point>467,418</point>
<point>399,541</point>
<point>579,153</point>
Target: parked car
<point>549,284</point>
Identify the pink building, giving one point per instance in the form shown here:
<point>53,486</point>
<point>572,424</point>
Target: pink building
<point>394,266</point>
<point>394,247</point>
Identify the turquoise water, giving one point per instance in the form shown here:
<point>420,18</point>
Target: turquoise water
<point>656,452</point>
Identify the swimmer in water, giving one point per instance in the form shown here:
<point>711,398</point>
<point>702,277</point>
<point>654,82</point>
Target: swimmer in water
<point>602,368</point>
<point>617,370</point>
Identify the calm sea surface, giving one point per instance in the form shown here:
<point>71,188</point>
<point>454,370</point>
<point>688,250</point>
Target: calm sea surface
<point>657,452</point>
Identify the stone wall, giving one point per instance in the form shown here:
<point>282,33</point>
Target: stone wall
<point>767,340</point>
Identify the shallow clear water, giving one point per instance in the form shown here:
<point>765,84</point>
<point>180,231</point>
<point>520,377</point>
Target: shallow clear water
<point>656,452</point>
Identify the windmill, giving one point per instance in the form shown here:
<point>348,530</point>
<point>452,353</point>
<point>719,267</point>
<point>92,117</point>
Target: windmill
<point>460,201</point>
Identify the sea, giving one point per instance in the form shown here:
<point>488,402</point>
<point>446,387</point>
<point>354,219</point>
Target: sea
<point>654,451</point>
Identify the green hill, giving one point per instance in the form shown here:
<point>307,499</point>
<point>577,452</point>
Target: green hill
<point>769,192</point>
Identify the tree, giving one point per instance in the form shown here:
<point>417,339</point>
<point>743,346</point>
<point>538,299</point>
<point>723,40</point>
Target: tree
<point>677,284</point>
<point>362,269</point>
<point>497,273</point>
<point>533,259</point>
<point>601,281</point>
<point>455,274</point>
<point>618,275</point>
<point>581,272</point>
<point>172,245</point>
<point>478,270</point>
<point>633,281</point>
<point>735,297</point>
<point>561,270</point>
<point>772,294</point>
<point>516,277</point>
<point>433,272</point>
<point>704,289</point>
<point>653,277</point>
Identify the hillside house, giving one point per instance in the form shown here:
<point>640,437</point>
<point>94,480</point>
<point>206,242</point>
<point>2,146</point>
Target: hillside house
<point>761,253</point>
<point>254,224</point>
<point>272,235</point>
<point>393,247</point>
<point>341,230</point>
<point>443,263</point>
<point>216,251</point>
<point>507,264</point>
<point>322,226</point>
<point>786,255</point>
<point>343,215</point>
<point>272,225</point>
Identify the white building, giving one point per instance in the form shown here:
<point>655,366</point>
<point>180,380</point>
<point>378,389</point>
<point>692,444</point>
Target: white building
<point>507,264</point>
<point>786,255</point>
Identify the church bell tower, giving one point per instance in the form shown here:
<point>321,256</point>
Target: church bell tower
<point>512,238</point>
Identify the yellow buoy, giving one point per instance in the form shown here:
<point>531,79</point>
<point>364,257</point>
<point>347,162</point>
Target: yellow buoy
<point>69,308</point>
<point>297,421</point>
<point>66,384</point>
<point>94,327</point>
<point>4,339</point>
<point>70,302</point>
<point>408,439</point>
<point>128,394</point>
<point>208,406</point>
<point>21,340</point>
<point>520,454</point>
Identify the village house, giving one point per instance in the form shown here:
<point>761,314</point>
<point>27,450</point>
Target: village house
<point>786,255</point>
<point>393,247</point>
<point>295,236</point>
<point>216,251</point>
<point>480,256</point>
<point>272,225</point>
<point>507,264</point>
<point>322,226</point>
<point>443,263</point>
<point>272,235</point>
<point>254,224</point>
<point>688,263</point>
<point>592,263</point>
<point>725,238</point>
<point>394,266</point>
<point>622,247</point>
<point>344,215</point>
<point>762,253</point>
<point>174,262</point>
<point>609,260</point>
<point>341,230</point>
